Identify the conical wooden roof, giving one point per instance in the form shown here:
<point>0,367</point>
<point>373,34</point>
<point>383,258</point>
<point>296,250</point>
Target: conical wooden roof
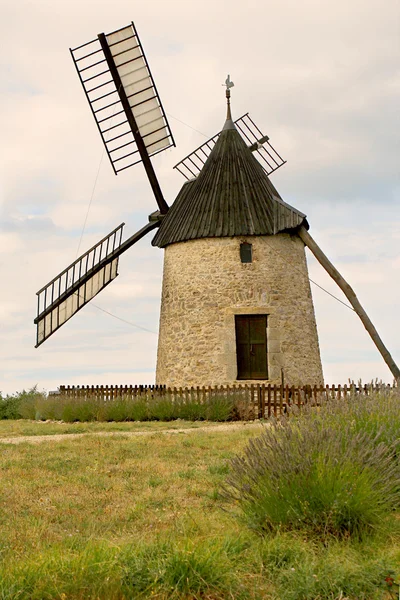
<point>231,196</point>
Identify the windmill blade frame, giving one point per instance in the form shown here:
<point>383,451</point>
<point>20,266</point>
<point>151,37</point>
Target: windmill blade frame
<point>124,101</point>
<point>269,158</point>
<point>82,280</point>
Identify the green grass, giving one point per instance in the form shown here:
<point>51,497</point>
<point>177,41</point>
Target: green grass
<point>33,404</point>
<point>141,517</point>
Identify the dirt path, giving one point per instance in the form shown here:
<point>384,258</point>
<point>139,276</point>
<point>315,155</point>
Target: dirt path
<point>57,437</point>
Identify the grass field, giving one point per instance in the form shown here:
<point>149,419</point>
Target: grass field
<point>100,517</point>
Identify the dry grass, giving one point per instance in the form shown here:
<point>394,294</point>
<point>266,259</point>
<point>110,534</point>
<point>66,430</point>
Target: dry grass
<point>97,487</point>
<point>137,517</point>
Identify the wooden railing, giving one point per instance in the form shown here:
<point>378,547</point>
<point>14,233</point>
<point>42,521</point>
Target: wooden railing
<point>252,401</point>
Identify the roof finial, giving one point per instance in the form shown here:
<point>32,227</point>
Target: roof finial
<point>228,83</point>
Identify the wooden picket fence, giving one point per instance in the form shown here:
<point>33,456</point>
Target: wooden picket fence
<point>253,401</point>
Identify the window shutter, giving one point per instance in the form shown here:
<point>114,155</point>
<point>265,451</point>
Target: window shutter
<point>246,252</point>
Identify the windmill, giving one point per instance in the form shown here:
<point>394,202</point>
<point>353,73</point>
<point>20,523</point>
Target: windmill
<point>228,227</point>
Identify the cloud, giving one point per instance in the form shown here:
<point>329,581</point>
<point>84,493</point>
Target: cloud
<point>321,80</point>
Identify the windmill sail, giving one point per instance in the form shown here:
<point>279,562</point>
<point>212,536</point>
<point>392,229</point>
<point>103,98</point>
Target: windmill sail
<point>128,112</point>
<point>69,291</point>
<point>118,84</point>
<point>74,287</point>
<point>270,160</point>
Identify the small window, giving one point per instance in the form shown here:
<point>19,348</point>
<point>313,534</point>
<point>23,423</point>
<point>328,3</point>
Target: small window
<point>246,252</point>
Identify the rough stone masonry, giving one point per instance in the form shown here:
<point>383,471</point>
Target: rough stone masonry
<point>205,285</point>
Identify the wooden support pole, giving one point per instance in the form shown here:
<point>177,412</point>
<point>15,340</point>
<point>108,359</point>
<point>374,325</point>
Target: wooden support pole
<point>352,298</point>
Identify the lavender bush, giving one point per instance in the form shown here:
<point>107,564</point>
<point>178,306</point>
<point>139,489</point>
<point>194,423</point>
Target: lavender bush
<point>334,470</point>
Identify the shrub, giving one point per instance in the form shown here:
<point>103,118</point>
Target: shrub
<point>322,473</point>
<point>373,412</point>
<point>49,407</point>
<point>137,409</point>
<point>243,409</point>
<point>83,410</point>
<point>21,405</point>
<point>115,410</point>
<point>9,408</point>
<point>220,408</point>
<point>216,406</point>
<point>162,408</point>
<point>191,410</point>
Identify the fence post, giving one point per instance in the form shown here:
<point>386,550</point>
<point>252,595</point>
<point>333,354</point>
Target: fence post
<point>203,395</point>
<point>281,400</point>
<point>298,398</point>
<point>258,394</point>
<point>275,402</point>
<point>245,393</point>
<point>269,400</point>
<point>319,397</point>
<point>263,401</point>
<point>287,398</point>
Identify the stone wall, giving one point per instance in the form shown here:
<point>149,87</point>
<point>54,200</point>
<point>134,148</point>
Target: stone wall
<point>205,285</point>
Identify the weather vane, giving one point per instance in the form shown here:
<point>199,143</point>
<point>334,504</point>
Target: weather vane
<point>229,84</point>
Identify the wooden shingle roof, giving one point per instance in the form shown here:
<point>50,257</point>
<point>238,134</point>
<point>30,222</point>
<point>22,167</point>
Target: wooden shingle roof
<point>231,196</point>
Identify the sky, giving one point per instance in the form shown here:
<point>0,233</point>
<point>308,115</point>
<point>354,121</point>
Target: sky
<point>321,78</point>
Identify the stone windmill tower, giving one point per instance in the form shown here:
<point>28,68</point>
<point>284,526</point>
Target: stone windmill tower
<point>236,299</point>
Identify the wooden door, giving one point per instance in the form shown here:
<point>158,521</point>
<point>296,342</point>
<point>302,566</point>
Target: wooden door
<point>251,346</point>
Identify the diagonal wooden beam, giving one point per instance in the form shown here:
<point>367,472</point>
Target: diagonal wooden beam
<point>352,298</point>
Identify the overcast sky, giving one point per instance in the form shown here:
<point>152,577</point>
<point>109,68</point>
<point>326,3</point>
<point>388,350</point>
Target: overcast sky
<point>322,79</point>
